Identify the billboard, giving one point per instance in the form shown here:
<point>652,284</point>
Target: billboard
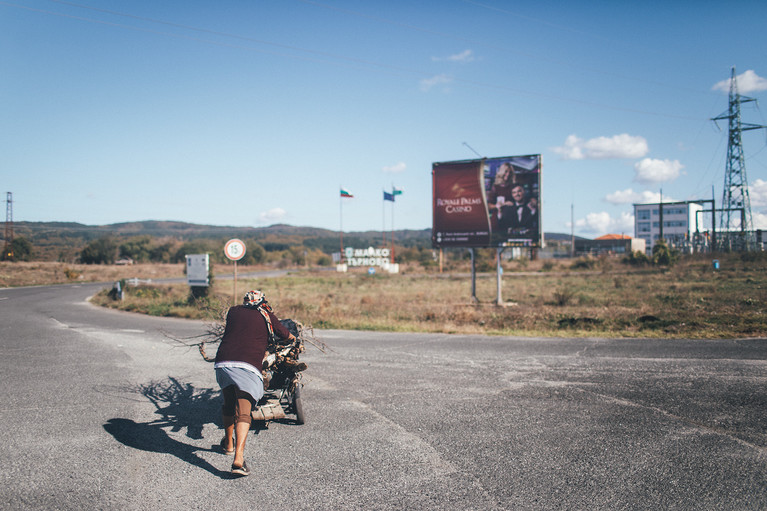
<point>491,202</point>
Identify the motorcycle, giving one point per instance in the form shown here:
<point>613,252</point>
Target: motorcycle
<point>282,378</point>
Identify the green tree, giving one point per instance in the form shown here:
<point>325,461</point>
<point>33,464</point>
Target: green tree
<point>216,250</point>
<point>20,250</point>
<point>100,251</point>
<point>426,257</point>
<point>162,253</point>
<point>254,253</point>
<point>137,248</point>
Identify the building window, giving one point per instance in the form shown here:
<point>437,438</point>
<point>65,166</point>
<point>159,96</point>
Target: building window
<point>643,227</point>
<point>643,214</point>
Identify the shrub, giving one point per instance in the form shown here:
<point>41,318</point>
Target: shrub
<point>584,263</point>
<point>72,274</point>
<point>563,296</point>
<point>637,258</point>
<point>662,254</point>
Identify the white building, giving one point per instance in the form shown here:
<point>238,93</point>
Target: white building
<point>679,224</point>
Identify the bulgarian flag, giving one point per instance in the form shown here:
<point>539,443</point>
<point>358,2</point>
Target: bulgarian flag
<point>346,194</point>
<point>394,191</point>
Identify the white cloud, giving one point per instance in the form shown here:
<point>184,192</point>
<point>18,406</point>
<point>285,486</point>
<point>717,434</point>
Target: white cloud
<point>602,223</point>
<point>429,83</point>
<point>747,82</point>
<point>396,168</point>
<point>651,170</point>
<point>272,216</point>
<point>757,192</point>
<point>629,196</point>
<point>760,220</point>
<point>463,57</point>
<point>601,148</point>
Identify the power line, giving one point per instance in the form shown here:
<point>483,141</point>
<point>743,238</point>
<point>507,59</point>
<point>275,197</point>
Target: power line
<point>482,43</point>
<point>340,59</point>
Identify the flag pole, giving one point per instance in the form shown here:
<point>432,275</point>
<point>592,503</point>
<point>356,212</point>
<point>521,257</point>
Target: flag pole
<point>392,232</point>
<point>383,220</point>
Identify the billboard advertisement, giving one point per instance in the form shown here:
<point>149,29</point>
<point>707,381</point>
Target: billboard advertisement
<point>491,202</point>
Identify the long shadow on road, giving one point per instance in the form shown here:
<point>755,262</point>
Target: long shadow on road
<point>180,406</point>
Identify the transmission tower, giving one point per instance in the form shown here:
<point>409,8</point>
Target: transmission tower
<point>8,249</point>
<point>735,224</point>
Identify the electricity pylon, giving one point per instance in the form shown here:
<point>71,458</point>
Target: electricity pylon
<point>736,225</point>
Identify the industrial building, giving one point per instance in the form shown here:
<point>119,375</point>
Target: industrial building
<point>678,224</point>
<point>609,244</point>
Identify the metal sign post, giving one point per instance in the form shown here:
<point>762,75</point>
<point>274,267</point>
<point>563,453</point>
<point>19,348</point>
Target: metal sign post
<point>234,250</point>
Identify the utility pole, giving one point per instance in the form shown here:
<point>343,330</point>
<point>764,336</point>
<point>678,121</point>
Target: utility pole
<point>660,216</point>
<point>8,249</point>
<point>572,229</point>
<point>735,197</point>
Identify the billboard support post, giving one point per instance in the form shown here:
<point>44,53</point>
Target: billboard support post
<point>473,276</point>
<point>498,273</point>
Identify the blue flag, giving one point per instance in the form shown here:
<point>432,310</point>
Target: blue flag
<point>389,196</point>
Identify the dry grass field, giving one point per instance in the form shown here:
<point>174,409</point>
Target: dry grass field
<point>15,274</point>
<point>603,298</point>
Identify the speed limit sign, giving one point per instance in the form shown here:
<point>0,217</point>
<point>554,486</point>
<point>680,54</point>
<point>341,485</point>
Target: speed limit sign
<point>234,249</point>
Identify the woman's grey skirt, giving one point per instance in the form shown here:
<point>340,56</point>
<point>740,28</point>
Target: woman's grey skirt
<point>246,381</point>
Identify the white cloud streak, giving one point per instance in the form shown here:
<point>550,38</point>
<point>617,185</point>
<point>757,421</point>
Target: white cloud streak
<point>629,196</point>
<point>463,57</point>
<point>272,216</point>
<point>649,170</point>
<point>429,83</point>
<point>602,223</point>
<point>760,220</point>
<point>747,82</point>
<point>396,168</point>
<point>757,192</point>
<point>602,148</point>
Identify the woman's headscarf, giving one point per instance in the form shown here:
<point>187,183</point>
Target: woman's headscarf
<point>255,299</point>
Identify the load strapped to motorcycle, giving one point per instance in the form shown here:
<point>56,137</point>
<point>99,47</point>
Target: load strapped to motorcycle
<point>281,369</point>
<point>282,378</point>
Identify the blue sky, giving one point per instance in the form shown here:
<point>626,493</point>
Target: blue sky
<point>249,113</point>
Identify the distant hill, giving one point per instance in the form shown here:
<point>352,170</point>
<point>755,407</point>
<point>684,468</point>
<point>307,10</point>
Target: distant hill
<point>62,240</point>
<point>556,236</point>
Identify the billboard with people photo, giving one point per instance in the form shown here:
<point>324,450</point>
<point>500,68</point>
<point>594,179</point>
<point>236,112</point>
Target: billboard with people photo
<point>492,202</point>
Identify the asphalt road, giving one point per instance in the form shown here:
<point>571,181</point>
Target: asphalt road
<point>99,410</point>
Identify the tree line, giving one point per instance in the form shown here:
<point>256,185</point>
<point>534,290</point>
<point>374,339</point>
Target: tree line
<point>109,249</point>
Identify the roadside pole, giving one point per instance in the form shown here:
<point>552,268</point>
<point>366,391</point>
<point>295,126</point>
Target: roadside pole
<point>234,250</point>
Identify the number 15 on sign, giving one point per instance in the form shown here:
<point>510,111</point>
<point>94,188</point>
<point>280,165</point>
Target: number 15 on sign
<point>234,250</point>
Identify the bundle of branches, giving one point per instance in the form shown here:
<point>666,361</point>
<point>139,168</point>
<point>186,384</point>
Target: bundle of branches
<point>216,309</point>
<point>281,358</point>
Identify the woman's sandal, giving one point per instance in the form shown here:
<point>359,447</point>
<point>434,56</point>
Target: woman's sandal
<point>242,471</point>
<point>224,449</point>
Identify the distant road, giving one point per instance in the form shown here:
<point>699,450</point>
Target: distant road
<point>229,276</point>
<point>100,410</point>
